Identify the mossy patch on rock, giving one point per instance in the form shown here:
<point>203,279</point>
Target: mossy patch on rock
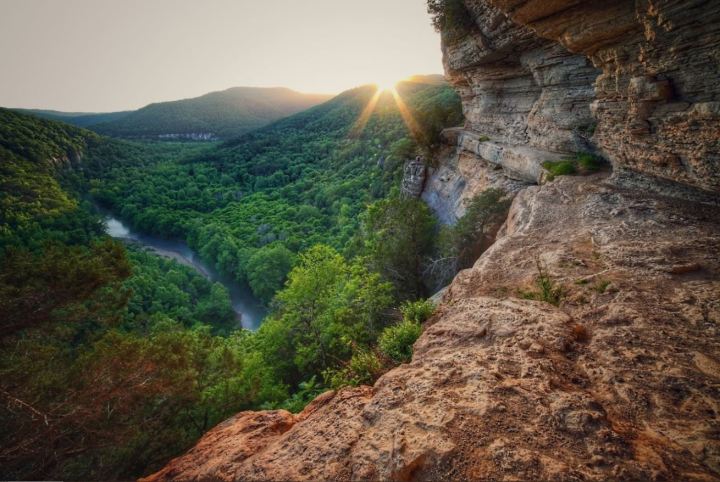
<point>582,164</point>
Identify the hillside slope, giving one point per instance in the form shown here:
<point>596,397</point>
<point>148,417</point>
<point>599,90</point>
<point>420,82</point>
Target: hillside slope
<point>585,343</point>
<point>224,114</point>
<point>78,119</point>
<point>72,299</point>
<point>300,181</point>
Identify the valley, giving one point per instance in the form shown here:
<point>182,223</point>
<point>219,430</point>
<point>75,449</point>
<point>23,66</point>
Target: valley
<point>249,310</point>
<point>509,272</point>
<point>168,243</point>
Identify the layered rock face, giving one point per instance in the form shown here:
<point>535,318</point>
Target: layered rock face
<point>461,174</point>
<point>619,378</point>
<point>637,80</point>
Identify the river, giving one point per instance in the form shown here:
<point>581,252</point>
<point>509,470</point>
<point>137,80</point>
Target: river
<point>249,310</point>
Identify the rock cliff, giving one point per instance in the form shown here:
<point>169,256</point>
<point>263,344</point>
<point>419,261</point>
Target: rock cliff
<point>619,379</point>
<point>636,82</point>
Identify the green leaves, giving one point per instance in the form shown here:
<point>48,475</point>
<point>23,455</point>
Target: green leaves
<point>328,309</point>
<point>395,237</point>
<point>267,269</point>
<point>396,341</point>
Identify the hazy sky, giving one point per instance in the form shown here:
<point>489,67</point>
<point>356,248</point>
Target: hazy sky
<point>103,55</point>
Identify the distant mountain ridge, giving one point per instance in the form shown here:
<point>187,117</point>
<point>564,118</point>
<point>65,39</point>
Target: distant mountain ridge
<point>78,119</point>
<point>222,114</point>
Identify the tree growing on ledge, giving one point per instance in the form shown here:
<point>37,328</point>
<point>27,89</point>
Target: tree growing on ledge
<point>451,18</point>
<point>461,245</point>
<point>396,237</point>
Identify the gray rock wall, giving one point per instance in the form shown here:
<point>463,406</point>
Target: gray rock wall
<point>637,80</point>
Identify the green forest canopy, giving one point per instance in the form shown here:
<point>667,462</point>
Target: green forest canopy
<point>130,358</point>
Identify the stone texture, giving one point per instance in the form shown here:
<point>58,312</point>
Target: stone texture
<point>521,90</point>
<point>618,382</point>
<point>646,74</point>
<point>462,173</point>
<point>414,174</point>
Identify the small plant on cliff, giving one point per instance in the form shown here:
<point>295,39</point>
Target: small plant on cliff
<point>601,286</point>
<point>588,162</point>
<point>583,163</point>
<point>559,168</point>
<point>362,369</point>
<point>396,342</point>
<point>548,290</point>
<point>417,311</point>
<point>307,391</point>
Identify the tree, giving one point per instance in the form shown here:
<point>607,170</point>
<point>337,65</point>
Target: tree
<point>327,308</point>
<point>34,287</point>
<point>450,17</point>
<point>267,270</point>
<point>461,245</point>
<point>396,236</point>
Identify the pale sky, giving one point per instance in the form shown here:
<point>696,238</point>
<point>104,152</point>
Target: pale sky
<point>105,55</point>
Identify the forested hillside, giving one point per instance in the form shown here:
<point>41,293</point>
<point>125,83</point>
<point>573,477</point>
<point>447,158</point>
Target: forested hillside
<point>78,119</point>
<point>279,190</point>
<point>87,387</point>
<point>224,114</point>
<point>114,360</point>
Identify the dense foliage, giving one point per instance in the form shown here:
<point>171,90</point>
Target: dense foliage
<point>396,237</point>
<point>108,364</point>
<point>301,181</point>
<point>451,18</point>
<point>112,359</point>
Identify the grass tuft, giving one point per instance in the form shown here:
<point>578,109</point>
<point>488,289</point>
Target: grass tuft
<point>548,291</point>
<point>583,163</point>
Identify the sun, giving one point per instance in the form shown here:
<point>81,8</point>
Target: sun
<point>385,85</point>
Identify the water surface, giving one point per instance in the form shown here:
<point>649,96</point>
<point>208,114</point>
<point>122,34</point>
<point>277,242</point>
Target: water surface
<point>249,310</point>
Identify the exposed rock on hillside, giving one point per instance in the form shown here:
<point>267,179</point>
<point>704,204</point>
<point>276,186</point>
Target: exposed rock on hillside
<point>640,80</point>
<point>463,173</point>
<point>414,174</point>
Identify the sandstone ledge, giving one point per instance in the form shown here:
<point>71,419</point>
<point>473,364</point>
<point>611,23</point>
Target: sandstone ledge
<point>619,382</point>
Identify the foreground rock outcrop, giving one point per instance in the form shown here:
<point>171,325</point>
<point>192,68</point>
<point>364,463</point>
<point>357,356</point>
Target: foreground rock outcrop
<point>621,381</point>
<point>619,377</point>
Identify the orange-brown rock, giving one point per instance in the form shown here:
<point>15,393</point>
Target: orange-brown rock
<point>620,381</point>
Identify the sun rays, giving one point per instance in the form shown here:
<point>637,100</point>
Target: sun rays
<point>362,120</point>
<point>407,116</point>
<point>380,89</point>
